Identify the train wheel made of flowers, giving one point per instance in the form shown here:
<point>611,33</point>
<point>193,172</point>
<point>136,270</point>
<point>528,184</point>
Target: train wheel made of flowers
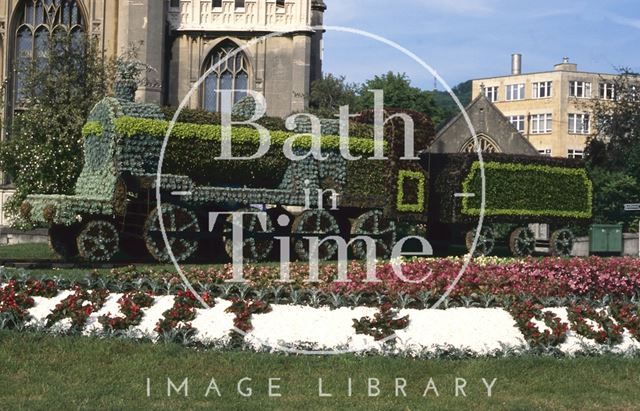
<point>98,241</point>
<point>373,224</point>
<point>258,241</point>
<point>315,223</point>
<point>62,240</point>
<point>486,241</point>
<point>522,242</point>
<point>179,224</point>
<point>561,243</point>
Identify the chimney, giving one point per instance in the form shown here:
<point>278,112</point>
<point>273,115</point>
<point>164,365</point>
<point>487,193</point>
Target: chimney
<point>516,64</point>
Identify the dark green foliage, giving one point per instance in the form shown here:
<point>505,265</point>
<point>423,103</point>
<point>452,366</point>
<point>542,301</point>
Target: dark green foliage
<point>398,94</point>
<point>446,104</point>
<point>196,158</point>
<point>614,161</point>
<point>612,189</point>
<point>366,183</point>
<point>394,133</point>
<point>330,93</point>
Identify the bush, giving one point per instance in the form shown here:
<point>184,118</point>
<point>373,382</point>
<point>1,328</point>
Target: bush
<point>198,116</point>
<point>44,140</point>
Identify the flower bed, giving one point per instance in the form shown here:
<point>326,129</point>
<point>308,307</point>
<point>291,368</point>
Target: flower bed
<point>486,282</point>
<point>499,307</point>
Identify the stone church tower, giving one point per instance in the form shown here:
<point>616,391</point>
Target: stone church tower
<point>181,39</point>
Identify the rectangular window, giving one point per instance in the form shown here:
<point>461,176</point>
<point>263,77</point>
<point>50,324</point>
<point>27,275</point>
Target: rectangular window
<point>542,89</point>
<point>280,3</point>
<point>541,123</point>
<point>579,123</point>
<point>174,4</point>
<point>491,93</point>
<point>545,152</point>
<point>577,154</point>
<point>515,92</point>
<point>607,91</point>
<point>518,122</point>
<point>580,89</point>
<point>239,4</point>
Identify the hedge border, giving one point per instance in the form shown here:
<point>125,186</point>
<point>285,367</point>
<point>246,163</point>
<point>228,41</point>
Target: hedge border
<point>422,181</point>
<point>579,173</point>
<point>130,127</point>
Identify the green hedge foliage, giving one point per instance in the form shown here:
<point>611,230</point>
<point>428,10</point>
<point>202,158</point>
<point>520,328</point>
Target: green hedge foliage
<point>529,190</point>
<point>136,127</point>
<point>416,180</point>
<point>519,189</point>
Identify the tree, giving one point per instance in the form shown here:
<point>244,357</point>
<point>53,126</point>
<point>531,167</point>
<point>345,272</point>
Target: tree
<point>43,149</point>
<point>445,103</point>
<point>399,93</point>
<point>613,151</point>
<point>331,92</point>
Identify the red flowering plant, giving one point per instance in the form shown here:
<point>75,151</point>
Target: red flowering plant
<point>131,305</point>
<point>78,307</point>
<point>36,288</point>
<point>182,312</point>
<point>244,309</point>
<point>13,305</point>
<point>608,331</point>
<point>383,325</point>
<point>525,311</point>
<point>626,314</point>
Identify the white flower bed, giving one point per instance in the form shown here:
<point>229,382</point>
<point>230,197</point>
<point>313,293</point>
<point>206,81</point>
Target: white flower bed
<point>476,331</point>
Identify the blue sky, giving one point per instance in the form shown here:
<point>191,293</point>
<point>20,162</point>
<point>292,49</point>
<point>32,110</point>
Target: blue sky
<point>465,39</point>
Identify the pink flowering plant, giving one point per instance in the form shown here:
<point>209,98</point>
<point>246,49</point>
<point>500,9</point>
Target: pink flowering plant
<point>490,283</point>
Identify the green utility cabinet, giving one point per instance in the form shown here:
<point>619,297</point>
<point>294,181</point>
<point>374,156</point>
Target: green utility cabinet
<point>605,238</point>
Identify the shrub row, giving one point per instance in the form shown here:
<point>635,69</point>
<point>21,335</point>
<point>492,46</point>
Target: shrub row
<point>518,188</point>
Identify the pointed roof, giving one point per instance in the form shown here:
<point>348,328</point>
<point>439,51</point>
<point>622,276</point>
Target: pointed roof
<point>488,121</point>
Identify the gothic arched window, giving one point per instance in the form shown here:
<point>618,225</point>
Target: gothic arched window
<point>231,74</point>
<point>38,21</point>
<point>486,145</point>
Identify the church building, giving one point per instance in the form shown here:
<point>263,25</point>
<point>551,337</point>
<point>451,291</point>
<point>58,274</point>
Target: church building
<point>181,40</point>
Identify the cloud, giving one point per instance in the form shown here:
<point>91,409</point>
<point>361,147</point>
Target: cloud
<point>625,21</point>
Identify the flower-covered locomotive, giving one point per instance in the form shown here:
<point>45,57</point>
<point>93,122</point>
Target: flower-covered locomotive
<point>115,206</point>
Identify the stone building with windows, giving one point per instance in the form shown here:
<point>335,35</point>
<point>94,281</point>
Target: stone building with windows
<point>181,40</point>
<point>549,108</point>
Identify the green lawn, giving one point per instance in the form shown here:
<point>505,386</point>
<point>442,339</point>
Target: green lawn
<point>43,372</point>
<point>27,252</point>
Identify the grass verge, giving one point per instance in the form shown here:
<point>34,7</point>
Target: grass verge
<point>40,371</point>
